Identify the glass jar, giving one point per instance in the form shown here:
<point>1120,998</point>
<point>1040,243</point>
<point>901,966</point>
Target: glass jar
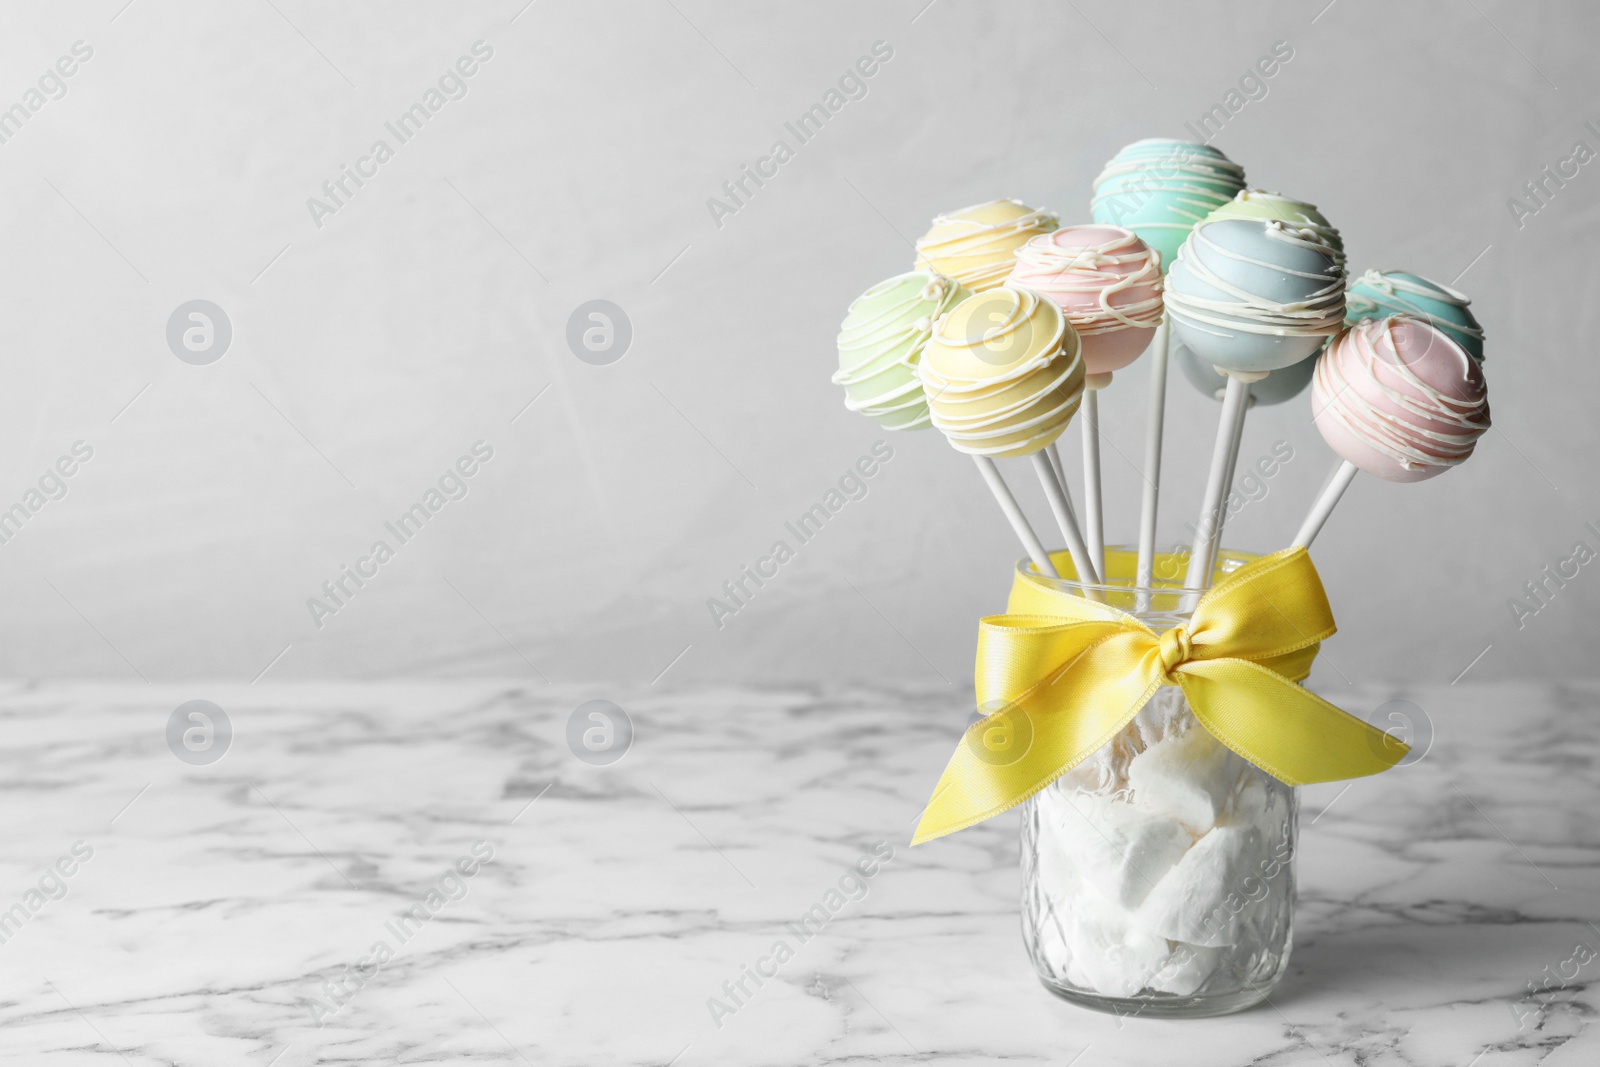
<point>1158,875</point>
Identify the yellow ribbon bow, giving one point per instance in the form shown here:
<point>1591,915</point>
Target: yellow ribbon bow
<point>1067,674</point>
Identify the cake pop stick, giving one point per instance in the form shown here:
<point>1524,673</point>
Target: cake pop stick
<point>1343,475</point>
<point>1019,521</point>
<point>1307,221</point>
<point>1203,552</point>
<point>1107,282</point>
<point>1250,297</point>
<point>1055,491</point>
<point>880,344</point>
<point>1160,189</point>
<point>1144,575</point>
<point>1055,463</point>
<point>1004,376</point>
<point>1398,398</point>
<point>1227,479</point>
<point>1095,525</point>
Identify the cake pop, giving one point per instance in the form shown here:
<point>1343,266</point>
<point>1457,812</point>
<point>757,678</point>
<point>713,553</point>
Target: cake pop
<point>1108,284</point>
<point>1393,292</point>
<point>1397,398</point>
<point>1260,204</point>
<point>977,245</point>
<point>1254,296</point>
<point>1004,376</point>
<point>1160,189</point>
<point>1249,297</point>
<point>881,341</point>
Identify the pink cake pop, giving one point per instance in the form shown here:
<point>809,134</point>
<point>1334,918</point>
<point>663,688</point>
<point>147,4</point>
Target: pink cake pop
<point>1108,283</point>
<point>1397,398</point>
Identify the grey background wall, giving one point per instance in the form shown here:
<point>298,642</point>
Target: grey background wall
<point>376,339</point>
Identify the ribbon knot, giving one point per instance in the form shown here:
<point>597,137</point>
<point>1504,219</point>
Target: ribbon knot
<point>1175,649</point>
<point>1070,674</point>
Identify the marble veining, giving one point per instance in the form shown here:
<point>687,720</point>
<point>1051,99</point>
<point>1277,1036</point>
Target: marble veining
<point>1449,911</point>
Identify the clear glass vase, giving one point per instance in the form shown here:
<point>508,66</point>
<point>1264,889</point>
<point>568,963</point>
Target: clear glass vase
<point>1158,875</point>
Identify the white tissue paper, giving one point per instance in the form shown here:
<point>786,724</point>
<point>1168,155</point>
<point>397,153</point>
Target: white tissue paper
<point>1151,859</point>
<point>1202,899</point>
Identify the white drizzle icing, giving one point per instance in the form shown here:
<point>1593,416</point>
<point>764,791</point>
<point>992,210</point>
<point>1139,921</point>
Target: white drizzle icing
<point>972,243</point>
<point>1053,364</point>
<point>1320,312</point>
<point>1171,167</point>
<point>862,346</point>
<point>1396,290</point>
<point>1045,267</point>
<point>1306,216</point>
<point>1353,356</point>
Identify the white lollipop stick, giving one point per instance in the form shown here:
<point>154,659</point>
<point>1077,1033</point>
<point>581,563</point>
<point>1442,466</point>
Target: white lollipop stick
<point>1320,511</point>
<point>1145,575</point>
<point>1055,462</point>
<point>1094,512</point>
<point>1061,506</point>
<point>1227,490</point>
<point>1228,430</point>
<point>1014,515</point>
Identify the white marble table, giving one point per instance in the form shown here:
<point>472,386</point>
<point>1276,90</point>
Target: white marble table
<point>219,899</point>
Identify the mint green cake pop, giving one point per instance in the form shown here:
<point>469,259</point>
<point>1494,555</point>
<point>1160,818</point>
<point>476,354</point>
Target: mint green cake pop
<point>881,341</point>
<point>1160,189</point>
<point>1380,293</point>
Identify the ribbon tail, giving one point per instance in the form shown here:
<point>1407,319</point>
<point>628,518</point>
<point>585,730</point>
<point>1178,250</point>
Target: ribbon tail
<point>1283,728</point>
<point>1043,733</point>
